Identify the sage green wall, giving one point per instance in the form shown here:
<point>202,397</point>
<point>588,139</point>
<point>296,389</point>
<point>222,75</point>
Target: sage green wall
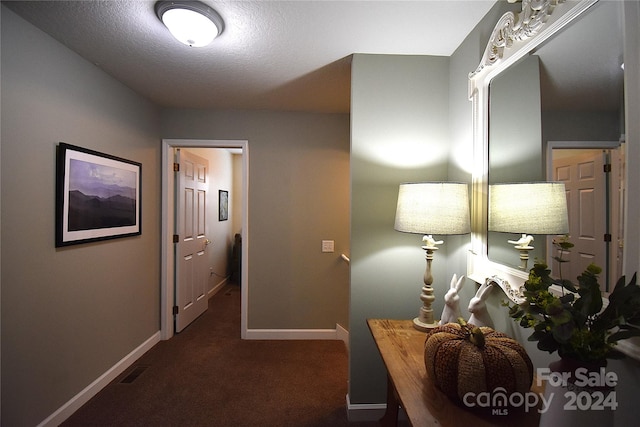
<point>411,121</point>
<point>515,150</point>
<point>298,196</point>
<point>67,314</point>
<point>399,133</point>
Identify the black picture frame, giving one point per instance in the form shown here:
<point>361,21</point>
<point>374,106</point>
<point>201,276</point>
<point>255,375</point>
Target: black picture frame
<point>223,205</point>
<point>98,196</point>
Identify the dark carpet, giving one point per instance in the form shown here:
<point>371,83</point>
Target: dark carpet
<point>208,376</point>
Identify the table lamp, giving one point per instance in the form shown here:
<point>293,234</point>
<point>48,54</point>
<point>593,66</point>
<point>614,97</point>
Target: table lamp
<point>528,208</point>
<point>431,208</point>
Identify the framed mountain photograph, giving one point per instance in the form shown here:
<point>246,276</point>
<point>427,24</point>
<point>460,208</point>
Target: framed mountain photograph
<point>98,196</point>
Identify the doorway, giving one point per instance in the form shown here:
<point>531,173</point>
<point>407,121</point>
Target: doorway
<point>592,172</point>
<point>167,299</point>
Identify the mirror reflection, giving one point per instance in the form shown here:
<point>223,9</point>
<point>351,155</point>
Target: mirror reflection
<point>557,115</point>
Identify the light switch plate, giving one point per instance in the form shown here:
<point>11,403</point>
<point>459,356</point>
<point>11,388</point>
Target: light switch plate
<point>328,246</point>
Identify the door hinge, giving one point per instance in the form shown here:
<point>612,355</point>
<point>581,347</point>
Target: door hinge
<point>175,309</point>
<point>607,237</point>
<point>176,167</point>
<point>607,168</point>
<point>176,238</point>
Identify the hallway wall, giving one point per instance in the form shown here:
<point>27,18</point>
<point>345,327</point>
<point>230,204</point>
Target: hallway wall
<point>298,196</point>
<point>68,314</point>
<point>399,134</point>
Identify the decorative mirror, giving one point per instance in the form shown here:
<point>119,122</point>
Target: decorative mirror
<point>511,91</point>
<point>569,125</point>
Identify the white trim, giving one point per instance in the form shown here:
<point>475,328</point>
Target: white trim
<point>553,145</point>
<point>337,334</point>
<point>167,267</point>
<point>291,334</point>
<point>367,412</point>
<point>66,410</point>
<point>362,412</point>
<point>342,334</point>
<point>217,288</point>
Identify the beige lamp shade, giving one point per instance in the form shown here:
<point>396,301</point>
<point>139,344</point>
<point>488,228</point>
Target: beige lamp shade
<point>439,208</point>
<point>532,207</point>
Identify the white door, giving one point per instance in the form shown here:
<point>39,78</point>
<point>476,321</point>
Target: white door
<point>585,183</point>
<point>191,241</point>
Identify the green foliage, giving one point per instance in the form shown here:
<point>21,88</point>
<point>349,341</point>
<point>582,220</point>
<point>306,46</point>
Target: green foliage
<point>574,324</point>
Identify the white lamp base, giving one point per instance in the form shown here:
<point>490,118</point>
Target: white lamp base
<point>524,256</point>
<point>424,327</point>
<point>425,321</point>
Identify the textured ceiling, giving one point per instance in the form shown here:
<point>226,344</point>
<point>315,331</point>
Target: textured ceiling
<point>277,55</point>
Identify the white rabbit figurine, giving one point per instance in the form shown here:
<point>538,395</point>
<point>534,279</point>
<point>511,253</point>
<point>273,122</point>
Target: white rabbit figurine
<point>451,312</point>
<point>478,307</point>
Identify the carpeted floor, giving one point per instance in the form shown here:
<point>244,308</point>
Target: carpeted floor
<point>208,376</point>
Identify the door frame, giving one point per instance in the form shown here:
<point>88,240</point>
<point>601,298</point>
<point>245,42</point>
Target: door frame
<point>167,300</point>
<point>590,145</point>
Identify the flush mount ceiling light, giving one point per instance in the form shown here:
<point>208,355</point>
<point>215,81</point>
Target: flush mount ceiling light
<point>191,22</point>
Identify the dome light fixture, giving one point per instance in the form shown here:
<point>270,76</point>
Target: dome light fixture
<point>191,22</point>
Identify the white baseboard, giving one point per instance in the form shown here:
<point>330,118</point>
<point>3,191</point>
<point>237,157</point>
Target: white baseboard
<point>339,333</point>
<point>362,412</point>
<point>66,410</point>
<point>291,334</point>
<point>342,334</point>
<point>217,288</point>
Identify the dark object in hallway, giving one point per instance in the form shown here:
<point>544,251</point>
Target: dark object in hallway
<point>236,260</point>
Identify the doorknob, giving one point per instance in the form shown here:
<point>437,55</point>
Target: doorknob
<point>206,242</point>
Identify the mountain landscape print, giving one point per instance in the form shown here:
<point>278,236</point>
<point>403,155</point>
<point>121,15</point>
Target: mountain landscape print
<point>100,196</point>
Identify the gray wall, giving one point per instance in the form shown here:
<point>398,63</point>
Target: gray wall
<point>515,145</point>
<point>67,314</point>
<point>298,196</point>
<point>399,133</point>
<point>515,152</point>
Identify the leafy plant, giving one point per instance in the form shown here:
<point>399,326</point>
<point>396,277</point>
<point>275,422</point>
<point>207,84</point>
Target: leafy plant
<point>575,324</point>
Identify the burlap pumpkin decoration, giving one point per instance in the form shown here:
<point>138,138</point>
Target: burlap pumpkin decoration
<point>461,358</point>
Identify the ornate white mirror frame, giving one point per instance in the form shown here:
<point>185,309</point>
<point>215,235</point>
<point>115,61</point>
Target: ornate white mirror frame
<point>514,36</point>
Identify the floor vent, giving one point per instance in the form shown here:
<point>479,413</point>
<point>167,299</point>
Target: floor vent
<point>135,373</point>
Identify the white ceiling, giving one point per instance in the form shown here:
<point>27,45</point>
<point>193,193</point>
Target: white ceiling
<point>277,55</point>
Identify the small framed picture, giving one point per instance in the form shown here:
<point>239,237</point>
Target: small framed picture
<point>98,196</point>
<point>223,205</point>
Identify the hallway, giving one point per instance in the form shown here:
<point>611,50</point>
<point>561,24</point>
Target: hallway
<point>208,376</point>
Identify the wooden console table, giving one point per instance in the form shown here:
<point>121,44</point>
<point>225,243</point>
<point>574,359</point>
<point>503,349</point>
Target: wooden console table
<point>402,349</point>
